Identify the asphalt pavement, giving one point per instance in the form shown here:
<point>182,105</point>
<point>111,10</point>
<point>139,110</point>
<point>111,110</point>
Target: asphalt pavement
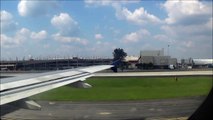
<point>179,108</point>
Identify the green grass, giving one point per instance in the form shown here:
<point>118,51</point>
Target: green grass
<point>131,88</point>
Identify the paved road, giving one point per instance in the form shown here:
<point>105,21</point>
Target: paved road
<point>129,110</point>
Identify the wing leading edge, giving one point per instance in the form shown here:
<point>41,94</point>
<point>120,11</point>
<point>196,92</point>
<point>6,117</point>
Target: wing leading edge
<point>16,88</point>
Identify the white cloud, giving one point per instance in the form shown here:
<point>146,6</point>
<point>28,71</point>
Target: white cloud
<point>101,48</point>
<point>7,41</point>
<point>98,2</point>
<point>64,23</point>
<point>7,22</point>
<point>46,46</point>
<point>135,36</point>
<point>109,2</point>
<point>21,36</point>
<point>65,39</point>
<point>164,38</point>
<point>5,16</point>
<point>140,16</point>
<point>35,7</point>
<point>209,25</point>
<point>67,26</point>
<point>190,24</point>
<point>200,29</point>
<point>188,44</point>
<point>39,36</point>
<point>98,36</point>
<point>187,12</point>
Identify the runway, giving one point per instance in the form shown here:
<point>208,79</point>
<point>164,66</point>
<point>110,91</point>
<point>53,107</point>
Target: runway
<point>156,74</point>
<point>120,74</point>
<point>125,110</point>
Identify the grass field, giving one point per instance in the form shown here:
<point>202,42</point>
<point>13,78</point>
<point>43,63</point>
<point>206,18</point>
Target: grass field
<point>131,88</point>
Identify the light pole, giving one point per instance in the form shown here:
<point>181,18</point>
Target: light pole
<point>168,50</point>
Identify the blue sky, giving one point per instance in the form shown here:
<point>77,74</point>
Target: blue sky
<point>94,28</point>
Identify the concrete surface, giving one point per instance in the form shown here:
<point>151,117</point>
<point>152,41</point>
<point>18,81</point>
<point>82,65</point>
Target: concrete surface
<point>147,73</point>
<point>155,74</point>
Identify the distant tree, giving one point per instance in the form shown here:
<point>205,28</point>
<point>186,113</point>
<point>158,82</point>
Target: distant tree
<point>150,65</point>
<point>139,65</point>
<point>119,54</point>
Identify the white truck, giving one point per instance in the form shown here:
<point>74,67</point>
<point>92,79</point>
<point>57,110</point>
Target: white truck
<point>171,67</point>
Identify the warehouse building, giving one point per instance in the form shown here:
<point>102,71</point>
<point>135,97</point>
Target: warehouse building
<point>157,59</point>
<point>152,52</point>
<point>200,63</point>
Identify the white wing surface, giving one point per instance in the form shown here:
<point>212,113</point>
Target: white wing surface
<point>16,88</point>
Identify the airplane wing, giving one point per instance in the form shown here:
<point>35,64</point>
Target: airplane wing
<point>16,88</point>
